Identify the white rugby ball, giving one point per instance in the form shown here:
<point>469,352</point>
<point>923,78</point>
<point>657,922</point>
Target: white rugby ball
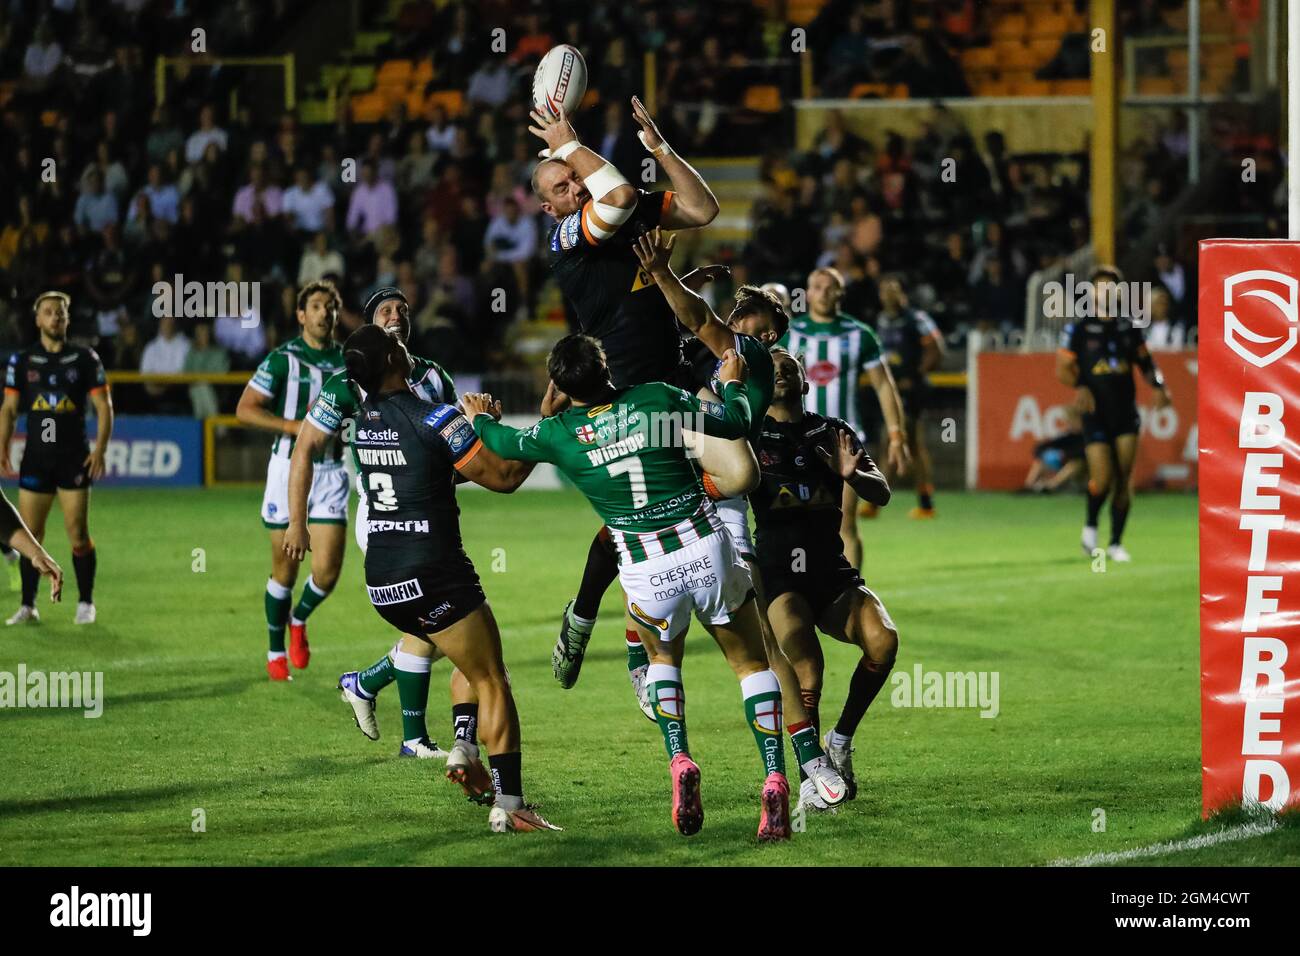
<point>560,81</point>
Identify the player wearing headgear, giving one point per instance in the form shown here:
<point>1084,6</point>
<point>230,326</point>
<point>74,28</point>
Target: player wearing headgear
<point>411,454</point>
<point>807,458</point>
<point>623,449</point>
<point>599,214</point>
<point>757,321</point>
<point>52,383</point>
<point>1096,358</point>
<point>410,661</point>
<point>841,355</point>
<point>276,399</point>
<point>913,347</point>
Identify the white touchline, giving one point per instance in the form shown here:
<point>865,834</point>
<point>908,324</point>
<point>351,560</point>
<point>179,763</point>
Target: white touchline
<point>1231,835</point>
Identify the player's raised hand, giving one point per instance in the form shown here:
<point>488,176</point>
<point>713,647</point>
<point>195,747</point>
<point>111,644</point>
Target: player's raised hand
<point>480,403</point>
<point>898,454</point>
<point>555,131</point>
<point>733,368</point>
<point>94,464</point>
<point>297,541</point>
<point>654,249</point>
<point>554,401</point>
<point>649,134</point>
<point>842,458</point>
<point>47,567</point>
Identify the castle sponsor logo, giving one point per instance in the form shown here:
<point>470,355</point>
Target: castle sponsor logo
<point>398,593</point>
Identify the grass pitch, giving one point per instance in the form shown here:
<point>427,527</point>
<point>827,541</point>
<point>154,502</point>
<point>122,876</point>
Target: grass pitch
<point>1098,708</point>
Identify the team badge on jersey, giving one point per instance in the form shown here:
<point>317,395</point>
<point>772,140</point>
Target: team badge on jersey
<point>713,409</point>
<point>586,434</point>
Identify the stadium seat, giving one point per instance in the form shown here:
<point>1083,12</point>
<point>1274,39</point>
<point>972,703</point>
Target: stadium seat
<point>453,101</point>
<point>1071,87</point>
<point>1156,85</point>
<point>394,73</point>
<point>1011,26</point>
<point>1031,88</point>
<point>762,98</point>
<point>980,56</point>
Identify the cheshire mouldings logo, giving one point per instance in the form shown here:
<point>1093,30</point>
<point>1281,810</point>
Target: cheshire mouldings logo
<point>1250,343</point>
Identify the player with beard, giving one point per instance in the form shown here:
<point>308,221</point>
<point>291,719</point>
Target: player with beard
<point>52,383</point>
<point>1096,358</point>
<point>757,321</point>
<point>276,399</point>
<point>841,355</point>
<point>410,661</point>
<point>412,453</point>
<point>807,458</point>
<point>599,214</point>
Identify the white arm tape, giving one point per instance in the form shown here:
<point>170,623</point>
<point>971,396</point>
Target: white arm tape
<point>604,181</point>
<point>565,151</point>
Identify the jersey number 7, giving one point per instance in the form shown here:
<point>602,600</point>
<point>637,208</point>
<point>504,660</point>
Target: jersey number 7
<point>636,479</point>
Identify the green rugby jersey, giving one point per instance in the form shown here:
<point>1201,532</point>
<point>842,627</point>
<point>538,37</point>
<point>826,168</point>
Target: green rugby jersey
<point>291,377</point>
<point>628,458</point>
<point>340,398</point>
<point>759,383</point>
<point>835,356</point>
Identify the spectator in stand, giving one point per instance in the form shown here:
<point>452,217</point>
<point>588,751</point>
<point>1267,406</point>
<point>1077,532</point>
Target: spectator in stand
<point>1165,331</point>
<point>110,281</point>
<point>490,85</point>
<point>258,192</point>
<point>373,205</point>
<point>96,207</point>
<point>305,202</point>
<point>1171,275</point>
<point>205,355</point>
<point>139,222</point>
<point>164,198</point>
<point>319,260</point>
<point>43,60</point>
<point>207,133</point>
<point>511,241</point>
<point>415,170</point>
<point>112,172</point>
<point>165,355</point>
<point>996,302</point>
<point>243,336</point>
<point>441,133</point>
<point>164,138</point>
<point>468,234</point>
<point>13,233</point>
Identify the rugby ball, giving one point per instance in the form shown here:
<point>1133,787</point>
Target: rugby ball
<point>560,81</point>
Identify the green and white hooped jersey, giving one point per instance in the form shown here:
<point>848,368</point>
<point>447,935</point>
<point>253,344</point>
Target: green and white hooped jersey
<point>340,399</point>
<point>291,377</point>
<point>835,355</point>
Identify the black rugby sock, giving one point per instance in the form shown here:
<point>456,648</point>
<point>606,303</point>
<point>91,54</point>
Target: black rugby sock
<point>597,576</point>
<point>1095,501</point>
<point>507,774</point>
<point>1118,518</point>
<point>465,719</point>
<point>83,565</point>
<point>31,581</point>
<point>865,684</point>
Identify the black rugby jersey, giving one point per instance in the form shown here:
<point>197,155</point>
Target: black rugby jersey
<point>55,386</point>
<point>1106,352</point>
<point>408,451</point>
<point>617,302</point>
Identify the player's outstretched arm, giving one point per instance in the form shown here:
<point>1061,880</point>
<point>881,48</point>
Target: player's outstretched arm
<point>252,411</point>
<point>654,249</point>
<point>891,406</point>
<point>14,533</point>
<point>103,402</point>
<point>693,203</point>
<point>612,197</point>
<point>495,473</point>
<point>510,444</point>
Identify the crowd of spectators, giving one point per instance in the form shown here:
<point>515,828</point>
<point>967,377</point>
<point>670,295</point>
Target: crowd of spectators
<point>106,197</point>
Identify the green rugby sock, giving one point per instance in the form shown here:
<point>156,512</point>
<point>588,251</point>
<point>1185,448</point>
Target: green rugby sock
<point>278,599</point>
<point>803,737</point>
<point>379,674</point>
<point>413,692</point>
<point>669,700</point>
<point>636,652</point>
<point>308,602</point>
<point>762,693</point>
